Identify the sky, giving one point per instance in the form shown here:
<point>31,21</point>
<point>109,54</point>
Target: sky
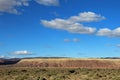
<point>59,28</point>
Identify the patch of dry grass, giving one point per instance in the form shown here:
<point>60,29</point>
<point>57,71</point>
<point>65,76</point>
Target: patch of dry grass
<point>24,73</point>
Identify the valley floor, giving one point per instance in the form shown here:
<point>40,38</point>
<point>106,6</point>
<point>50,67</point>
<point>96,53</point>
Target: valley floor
<point>24,73</point>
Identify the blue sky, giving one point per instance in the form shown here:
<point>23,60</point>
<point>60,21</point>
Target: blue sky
<point>59,28</point>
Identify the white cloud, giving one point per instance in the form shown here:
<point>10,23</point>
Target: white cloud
<point>109,33</point>
<point>118,45</point>
<point>115,45</point>
<point>2,56</point>
<point>87,17</point>
<point>48,2</point>
<point>13,6</point>
<point>23,52</point>
<point>67,40</point>
<point>71,40</point>
<point>73,24</point>
<point>104,32</point>
<point>10,6</point>
<point>76,40</point>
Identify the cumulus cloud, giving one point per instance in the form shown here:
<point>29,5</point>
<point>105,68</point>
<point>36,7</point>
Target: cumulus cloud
<point>86,17</point>
<point>71,40</point>
<point>48,2</point>
<point>22,52</point>
<point>67,40</point>
<point>73,24</point>
<point>76,40</point>
<point>11,6</point>
<point>118,45</point>
<point>114,45</point>
<point>109,33</point>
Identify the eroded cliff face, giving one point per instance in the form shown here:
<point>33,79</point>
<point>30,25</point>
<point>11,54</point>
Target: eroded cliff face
<point>72,63</point>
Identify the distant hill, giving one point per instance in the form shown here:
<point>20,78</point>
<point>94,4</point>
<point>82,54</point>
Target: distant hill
<point>110,57</point>
<point>9,61</point>
<point>104,62</point>
<point>4,61</point>
<point>44,57</point>
<point>70,62</point>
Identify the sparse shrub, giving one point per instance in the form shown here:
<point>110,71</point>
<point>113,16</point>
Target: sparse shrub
<point>21,78</point>
<point>43,79</point>
<point>72,71</point>
<point>116,78</point>
<point>38,78</point>
<point>23,70</point>
<point>58,74</point>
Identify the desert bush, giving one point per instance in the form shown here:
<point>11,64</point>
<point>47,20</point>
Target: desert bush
<point>21,78</point>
